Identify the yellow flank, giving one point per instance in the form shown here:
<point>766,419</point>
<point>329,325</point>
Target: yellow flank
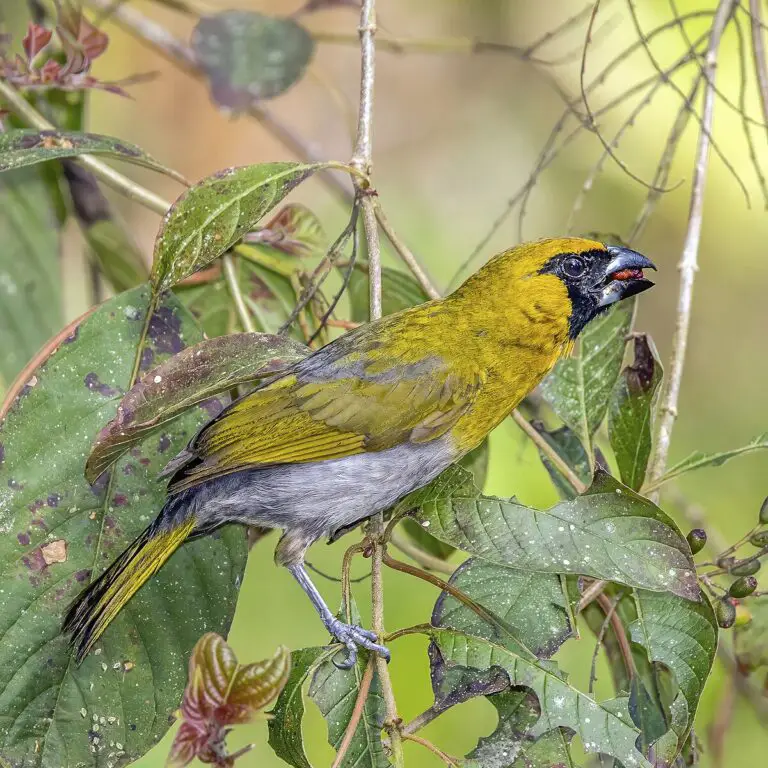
<point>137,564</point>
<point>454,366</point>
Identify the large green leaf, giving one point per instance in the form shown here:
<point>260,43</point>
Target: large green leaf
<point>208,219</point>
<point>249,56</point>
<point>29,146</point>
<point>579,388</point>
<point>285,736</point>
<point>631,412</point>
<point>532,605</point>
<point>335,691</point>
<point>511,746</point>
<point>61,532</point>
<point>683,636</point>
<point>602,728</point>
<point>30,283</point>
<point>699,459</point>
<point>196,374</point>
<point>609,532</point>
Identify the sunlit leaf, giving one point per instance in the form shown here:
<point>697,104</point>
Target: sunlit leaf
<point>682,635</point>
<point>20,148</point>
<point>249,56</point>
<point>609,532</point>
<point>631,412</point>
<point>30,283</point>
<point>189,378</point>
<point>285,736</point>
<point>212,216</point>
<point>601,728</point>
<point>699,459</point>
<point>335,692</point>
<point>579,388</point>
<point>49,704</point>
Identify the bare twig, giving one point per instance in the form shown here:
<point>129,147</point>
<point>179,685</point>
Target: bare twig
<point>453,762</point>
<point>758,52</point>
<point>424,559</point>
<point>689,262</point>
<point>618,630</point>
<point>230,276</point>
<point>357,711</point>
<point>591,593</point>
<point>600,638</point>
<point>418,722</point>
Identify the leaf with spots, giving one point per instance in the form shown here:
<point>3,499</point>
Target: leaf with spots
<point>24,147</point>
<point>579,389</point>
<point>30,287</point>
<point>335,691</point>
<point>249,56</point>
<point>221,692</point>
<point>609,532</point>
<point>194,375</point>
<point>602,726</point>
<point>53,712</point>
<point>631,412</point>
<point>211,217</point>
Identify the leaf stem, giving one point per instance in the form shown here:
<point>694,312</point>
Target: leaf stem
<point>688,265</point>
<point>453,762</point>
<point>423,558</point>
<point>230,276</point>
<point>112,178</point>
<point>357,711</point>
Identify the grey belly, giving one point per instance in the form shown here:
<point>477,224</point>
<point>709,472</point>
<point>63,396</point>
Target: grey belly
<point>318,498</point>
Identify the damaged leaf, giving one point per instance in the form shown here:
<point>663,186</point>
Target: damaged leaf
<point>294,230</point>
<point>189,378</point>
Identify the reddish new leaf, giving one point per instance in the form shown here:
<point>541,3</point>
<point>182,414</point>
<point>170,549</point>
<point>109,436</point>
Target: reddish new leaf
<point>35,40</point>
<point>295,230</point>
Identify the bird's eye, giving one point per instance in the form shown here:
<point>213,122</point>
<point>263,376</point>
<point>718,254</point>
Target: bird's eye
<point>574,266</point>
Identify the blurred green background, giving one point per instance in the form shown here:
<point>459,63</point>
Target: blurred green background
<point>455,136</point>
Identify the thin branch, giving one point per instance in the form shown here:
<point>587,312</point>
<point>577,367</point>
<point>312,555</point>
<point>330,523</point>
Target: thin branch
<point>758,52</point>
<point>621,635</point>
<point>418,722</point>
<point>689,262</point>
<point>591,593</point>
<point>424,559</point>
<point>112,178</point>
<point>230,276</point>
<point>453,762</point>
<point>600,638</point>
<point>357,711</point>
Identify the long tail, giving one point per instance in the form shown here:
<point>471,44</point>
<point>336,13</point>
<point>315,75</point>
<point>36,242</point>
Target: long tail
<point>94,609</point>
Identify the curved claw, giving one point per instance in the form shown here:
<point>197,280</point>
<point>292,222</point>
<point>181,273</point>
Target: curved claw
<point>355,637</point>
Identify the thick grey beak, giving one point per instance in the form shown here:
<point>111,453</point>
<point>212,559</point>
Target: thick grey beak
<point>618,285</point>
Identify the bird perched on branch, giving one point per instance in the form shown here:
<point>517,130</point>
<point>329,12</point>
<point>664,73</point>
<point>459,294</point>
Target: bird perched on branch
<point>372,416</point>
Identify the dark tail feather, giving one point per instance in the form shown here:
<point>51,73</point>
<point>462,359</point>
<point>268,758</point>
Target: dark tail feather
<point>93,610</point>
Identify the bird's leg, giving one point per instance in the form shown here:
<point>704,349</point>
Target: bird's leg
<point>290,553</point>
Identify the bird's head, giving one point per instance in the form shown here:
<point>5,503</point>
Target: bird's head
<point>570,276</point>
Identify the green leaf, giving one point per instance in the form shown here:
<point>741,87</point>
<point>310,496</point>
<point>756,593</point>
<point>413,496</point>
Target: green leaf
<point>193,376</point>
<point>511,746</point>
<point>209,218</point>
<point>579,388</point>
<point>398,291</point>
<point>61,532</point>
<point>570,449</point>
<point>24,147</point>
<point>116,254</point>
<point>631,412</point>
<point>249,56</point>
<point>294,230</point>
<point>285,736</point>
<point>683,636</point>
<point>601,728</point>
<point>30,282</point>
<point>335,692</point>
<point>609,533</point>
<point>532,605</point>
<point>698,459</point>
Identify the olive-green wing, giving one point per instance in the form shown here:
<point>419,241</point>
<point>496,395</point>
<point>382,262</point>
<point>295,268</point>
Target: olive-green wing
<point>320,412</point>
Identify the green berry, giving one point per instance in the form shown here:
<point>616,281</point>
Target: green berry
<point>697,540</point>
<point>742,587</point>
<point>759,539</point>
<point>725,612</point>
<point>747,568</point>
<point>763,516</point>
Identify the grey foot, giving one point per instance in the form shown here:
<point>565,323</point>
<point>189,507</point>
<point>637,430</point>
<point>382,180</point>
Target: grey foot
<point>353,637</point>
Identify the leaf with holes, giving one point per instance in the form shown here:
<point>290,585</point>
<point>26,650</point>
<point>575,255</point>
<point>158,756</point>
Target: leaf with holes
<point>579,388</point>
<point>609,532</point>
<point>335,691</point>
<point>249,56</point>
<point>208,219</point>
<point>196,374</point>
<point>220,693</point>
<point>29,146</point>
<point>602,727</point>
<point>285,736</point>
<point>30,285</point>
<point>631,412</point>
<point>49,704</point>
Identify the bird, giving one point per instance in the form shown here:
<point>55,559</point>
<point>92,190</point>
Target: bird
<point>370,417</point>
